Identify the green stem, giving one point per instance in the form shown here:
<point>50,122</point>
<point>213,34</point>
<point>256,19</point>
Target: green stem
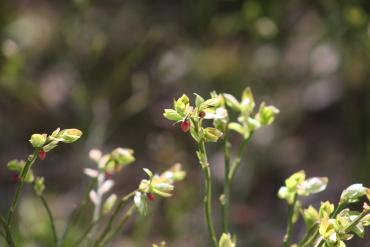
<point>208,192</point>
<point>225,203</point>
<point>338,209</point>
<point>310,235</point>
<point>120,224</point>
<point>76,213</point>
<point>118,208</point>
<point>235,165</point>
<point>85,234</point>
<point>51,218</point>
<point>8,235</point>
<point>288,235</point>
<point>30,160</point>
<point>97,206</point>
<point>357,220</point>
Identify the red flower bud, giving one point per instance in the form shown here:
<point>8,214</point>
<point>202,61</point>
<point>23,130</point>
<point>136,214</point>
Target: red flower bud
<point>108,175</point>
<point>185,125</point>
<point>150,196</point>
<point>202,114</point>
<point>42,154</point>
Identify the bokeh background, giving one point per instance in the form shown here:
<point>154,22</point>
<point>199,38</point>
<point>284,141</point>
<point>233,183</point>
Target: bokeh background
<point>110,67</point>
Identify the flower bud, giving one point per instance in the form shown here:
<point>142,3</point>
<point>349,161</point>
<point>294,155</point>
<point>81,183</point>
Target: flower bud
<point>185,125</point>
<point>123,156</point>
<point>266,114</point>
<point>141,203</point>
<point>15,165</point>
<point>226,241</point>
<point>150,196</point>
<point>232,102</point>
<point>42,154</point>
<point>212,134</point>
<point>39,185</point>
<point>326,209</point>
<point>109,204</point>
<point>70,135</point>
<point>172,115</point>
<point>38,140</point>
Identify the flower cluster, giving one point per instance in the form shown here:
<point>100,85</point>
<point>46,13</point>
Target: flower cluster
<point>157,185</point>
<point>216,108</point>
<point>107,165</point>
<point>220,108</point>
<point>42,143</point>
<point>329,226</point>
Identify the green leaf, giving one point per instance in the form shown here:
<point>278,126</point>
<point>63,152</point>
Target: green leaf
<point>232,102</point>
<point>172,115</point>
<point>310,216</point>
<point>148,172</point>
<point>237,127</point>
<point>198,100</point>
<point>51,145</point>
<point>359,230</point>
<point>353,193</point>
<point>294,180</point>
<point>141,202</point>
<point>213,102</point>
<point>312,185</point>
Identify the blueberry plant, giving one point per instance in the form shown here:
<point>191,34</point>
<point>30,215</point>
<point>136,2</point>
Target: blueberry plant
<point>110,211</point>
<point>207,120</point>
<point>210,120</point>
<point>331,225</point>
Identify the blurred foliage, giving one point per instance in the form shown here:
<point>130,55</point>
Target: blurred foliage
<point>110,67</point>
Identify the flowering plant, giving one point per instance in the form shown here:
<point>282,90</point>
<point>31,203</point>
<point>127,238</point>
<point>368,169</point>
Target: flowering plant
<point>217,110</point>
<point>331,225</point>
<point>107,206</point>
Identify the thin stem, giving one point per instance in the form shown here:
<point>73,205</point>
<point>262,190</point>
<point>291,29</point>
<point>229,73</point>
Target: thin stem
<point>338,209</point>
<point>76,213</point>
<point>225,203</point>
<point>119,226</point>
<point>8,235</point>
<point>51,218</point>
<point>98,204</point>
<point>84,235</point>
<point>118,208</point>
<point>30,160</point>
<point>357,220</point>
<point>288,235</point>
<point>235,165</point>
<point>310,235</point>
<point>208,192</point>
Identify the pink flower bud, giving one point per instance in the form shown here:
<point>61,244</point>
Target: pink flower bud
<point>42,154</point>
<point>150,196</point>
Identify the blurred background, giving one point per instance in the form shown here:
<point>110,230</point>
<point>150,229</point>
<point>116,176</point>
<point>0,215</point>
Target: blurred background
<point>110,67</point>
